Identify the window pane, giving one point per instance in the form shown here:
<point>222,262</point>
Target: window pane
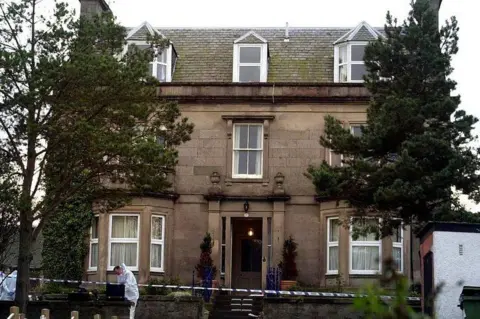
<point>357,52</point>
<point>241,162</point>
<point>124,226</point>
<point>397,235</point>
<point>370,236</point>
<point>358,71</point>
<point>343,73</point>
<point>342,54</point>
<point>254,162</point>
<point>162,57</point>
<point>157,228</point>
<point>93,255</point>
<point>397,257</point>
<point>333,258</point>
<point>161,72</point>
<point>123,253</point>
<point>356,130</point>
<point>156,256</point>
<point>249,74</point>
<point>334,231</point>
<point>161,140</point>
<point>241,136</point>
<point>250,54</point>
<point>365,258</point>
<point>254,136</point>
<point>95,228</point>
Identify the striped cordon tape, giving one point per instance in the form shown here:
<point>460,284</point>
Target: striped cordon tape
<point>252,291</point>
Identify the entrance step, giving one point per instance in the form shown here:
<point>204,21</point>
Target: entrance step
<point>236,307</point>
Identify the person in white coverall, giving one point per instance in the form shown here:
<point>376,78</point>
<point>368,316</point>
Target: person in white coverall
<point>126,277</point>
<point>9,286</point>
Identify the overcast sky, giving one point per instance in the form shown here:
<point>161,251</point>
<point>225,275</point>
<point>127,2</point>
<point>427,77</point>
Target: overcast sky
<point>306,13</point>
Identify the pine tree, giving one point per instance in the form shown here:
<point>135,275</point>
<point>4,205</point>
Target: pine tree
<point>415,149</point>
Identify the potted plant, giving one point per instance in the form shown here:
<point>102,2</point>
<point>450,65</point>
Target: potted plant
<point>288,264</point>
<point>206,271</point>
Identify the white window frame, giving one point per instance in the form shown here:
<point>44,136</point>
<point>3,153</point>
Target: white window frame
<point>348,63</point>
<point>92,242</point>
<point>263,61</point>
<point>400,246</point>
<point>351,126</point>
<point>365,244</point>
<point>234,149</point>
<point>158,242</point>
<point>168,51</point>
<point>331,244</point>
<point>123,240</point>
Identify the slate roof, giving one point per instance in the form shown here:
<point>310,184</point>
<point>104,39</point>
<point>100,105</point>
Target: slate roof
<point>206,54</point>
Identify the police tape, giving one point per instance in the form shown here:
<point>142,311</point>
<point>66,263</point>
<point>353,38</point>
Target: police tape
<point>251,291</point>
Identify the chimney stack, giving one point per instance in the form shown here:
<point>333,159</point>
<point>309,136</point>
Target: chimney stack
<point>287,38</point>
<point>93,7</point>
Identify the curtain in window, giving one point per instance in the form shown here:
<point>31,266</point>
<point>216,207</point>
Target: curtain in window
<point>124,253</point>
<point>333,258</point>
<point>156,255</point>
<point>397,257</point>
<point>365,257</point>
<point>124,227</point>
<point>94,255</point>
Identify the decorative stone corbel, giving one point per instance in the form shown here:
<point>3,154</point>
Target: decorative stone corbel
<point>279,188</point>
<point>215,189</point>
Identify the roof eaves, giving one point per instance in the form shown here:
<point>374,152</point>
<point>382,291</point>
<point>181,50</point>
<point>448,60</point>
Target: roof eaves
<point>352,33</point>
<point>149,27</point>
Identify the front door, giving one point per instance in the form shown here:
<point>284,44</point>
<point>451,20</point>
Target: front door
<point>247,254</point>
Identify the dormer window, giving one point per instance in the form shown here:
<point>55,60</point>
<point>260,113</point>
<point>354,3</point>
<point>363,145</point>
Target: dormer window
<point>351,67</point>
<point>162,66</point>
<point>158,67</point>
<point>349,51</point>
<point>250,58</point>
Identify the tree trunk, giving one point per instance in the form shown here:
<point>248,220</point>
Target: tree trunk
<point>24,260</point>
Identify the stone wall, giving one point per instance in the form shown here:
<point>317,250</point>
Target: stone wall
<point>153,307</point>
<point>148,307</point>
<point>313,307</point>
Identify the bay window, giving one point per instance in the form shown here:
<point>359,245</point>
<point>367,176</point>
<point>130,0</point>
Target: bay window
<point>365,249</point>
<point>333,234</point>
<point>93,257</point>
<point>123,240</point>
<point>247,151</point>
<point>157,244</point>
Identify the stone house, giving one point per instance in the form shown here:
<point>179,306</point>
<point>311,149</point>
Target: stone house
<point>257,97</point>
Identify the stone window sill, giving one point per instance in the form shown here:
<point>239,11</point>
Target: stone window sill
<point>263,181</point>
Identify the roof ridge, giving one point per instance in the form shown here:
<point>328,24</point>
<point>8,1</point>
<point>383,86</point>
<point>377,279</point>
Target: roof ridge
<point>255,28</point>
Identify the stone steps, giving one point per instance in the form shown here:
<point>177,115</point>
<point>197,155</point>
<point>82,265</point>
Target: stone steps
<point>236,307</point>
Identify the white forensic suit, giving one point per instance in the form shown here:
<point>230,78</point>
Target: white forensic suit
<point>9,286</point>
<point>131,288</point>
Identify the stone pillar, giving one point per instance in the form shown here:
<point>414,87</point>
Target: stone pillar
<point>228,251</point>
<point>215,230</point>
<point>103,221</point>
<point>144,249</point>
<point>278,230</point>
<point>264,251</point>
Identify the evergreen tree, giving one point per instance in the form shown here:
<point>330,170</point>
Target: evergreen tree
<point>415,149</point>
<point>74,109</point>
